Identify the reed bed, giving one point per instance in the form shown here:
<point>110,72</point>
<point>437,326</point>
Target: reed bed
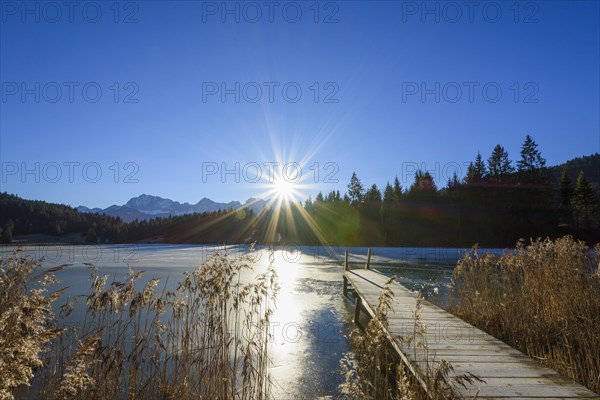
<point>543,299</point>
<point>208,339</point>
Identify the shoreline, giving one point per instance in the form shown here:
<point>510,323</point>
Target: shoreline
<point>49,240</point>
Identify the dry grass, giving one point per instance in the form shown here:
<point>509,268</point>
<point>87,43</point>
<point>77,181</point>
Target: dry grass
<point>543,299</point>
<point>377,373</point>
<point>27,323</point>
<point>207,339</point>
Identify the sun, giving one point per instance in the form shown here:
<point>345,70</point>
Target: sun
<point>283,189</point>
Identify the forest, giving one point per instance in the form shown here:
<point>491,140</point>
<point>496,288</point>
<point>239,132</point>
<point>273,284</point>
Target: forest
<point>497,203</point>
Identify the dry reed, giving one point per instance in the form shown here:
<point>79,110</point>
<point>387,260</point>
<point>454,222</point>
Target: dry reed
<point>207,339</point>
<point>543,299</point>
<point>27,323</point>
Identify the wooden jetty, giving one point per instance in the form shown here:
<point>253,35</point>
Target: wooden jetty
<point>507,373</point>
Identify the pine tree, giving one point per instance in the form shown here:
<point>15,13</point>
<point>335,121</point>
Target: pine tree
<point>531,158</point>
<point>566,189</point>
<point>397,190</point>
<point>373,196</point>
<point>498,164</point>
<point>470,176</point>
<point>476,171</point>
<point>330,198</point>
<point>566,193</point>
<point>480,169</point>
<point>454,182</point>
<point>387,212</point>
<point>308,205</point>
<point>423,182</point>
<point>319,198</point>
<point>388,194</point>
<point>585,203</point>
<point>370,217</point>
<point>355,189</point>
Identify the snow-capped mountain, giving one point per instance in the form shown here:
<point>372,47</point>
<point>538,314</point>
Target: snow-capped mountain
<point>147,206</point>
<point>153,205</point>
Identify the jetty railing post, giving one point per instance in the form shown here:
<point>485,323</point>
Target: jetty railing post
<point>345,269</point>
<point>346,261</point>
<point>368,259</point>
<point>357,310</point>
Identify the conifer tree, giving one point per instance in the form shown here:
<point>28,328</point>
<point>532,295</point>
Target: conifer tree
<point>470,176</point>
<point>454,182</point>
<point>373,196</point>
<point>585,203</point>
<point>566,193</point>
<point>566,188</point>
<point>480,170</point>
<point>423,182</point>
<point>476,171</point>
<point>531,158</point>
<point>388,194</point>
<point>397,189</point>
<point>498,164</point>
<point>308,205</point>
<point>355,189</point>
<point>388,214</point>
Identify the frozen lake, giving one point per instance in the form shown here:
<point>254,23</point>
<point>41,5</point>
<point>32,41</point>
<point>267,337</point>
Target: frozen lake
<point>311,325</point>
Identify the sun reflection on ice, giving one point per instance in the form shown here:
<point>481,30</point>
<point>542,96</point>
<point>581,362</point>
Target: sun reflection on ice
<point>288,341</point>
<point>286,318</point>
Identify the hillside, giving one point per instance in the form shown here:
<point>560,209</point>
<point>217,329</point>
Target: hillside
<point>590,165</point>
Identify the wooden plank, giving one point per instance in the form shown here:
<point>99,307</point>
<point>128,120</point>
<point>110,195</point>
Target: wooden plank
<point>506,389</point>
<point>495,369</point>
<point>507,372</point>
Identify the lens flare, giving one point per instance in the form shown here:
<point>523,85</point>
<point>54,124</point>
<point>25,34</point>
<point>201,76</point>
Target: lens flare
<point>283,190</point>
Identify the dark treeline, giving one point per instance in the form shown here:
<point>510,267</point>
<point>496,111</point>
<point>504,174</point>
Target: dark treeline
<point>495,204</point>
<point>22,217</point>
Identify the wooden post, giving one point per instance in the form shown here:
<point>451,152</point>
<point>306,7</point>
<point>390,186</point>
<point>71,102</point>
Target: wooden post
<point>346,261</point>
<point>357,310</point>
<point>345,269</point>
<point>368,259</point>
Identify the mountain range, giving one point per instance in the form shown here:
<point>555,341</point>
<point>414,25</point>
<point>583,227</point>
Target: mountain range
<point>147,206</point>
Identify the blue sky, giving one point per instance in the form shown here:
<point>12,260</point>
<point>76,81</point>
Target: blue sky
<point>161,122</point>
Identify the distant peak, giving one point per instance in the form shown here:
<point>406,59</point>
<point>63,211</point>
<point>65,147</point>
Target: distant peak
<point>147,206</point>
<point>205,200</point>
<point>252,200</point>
